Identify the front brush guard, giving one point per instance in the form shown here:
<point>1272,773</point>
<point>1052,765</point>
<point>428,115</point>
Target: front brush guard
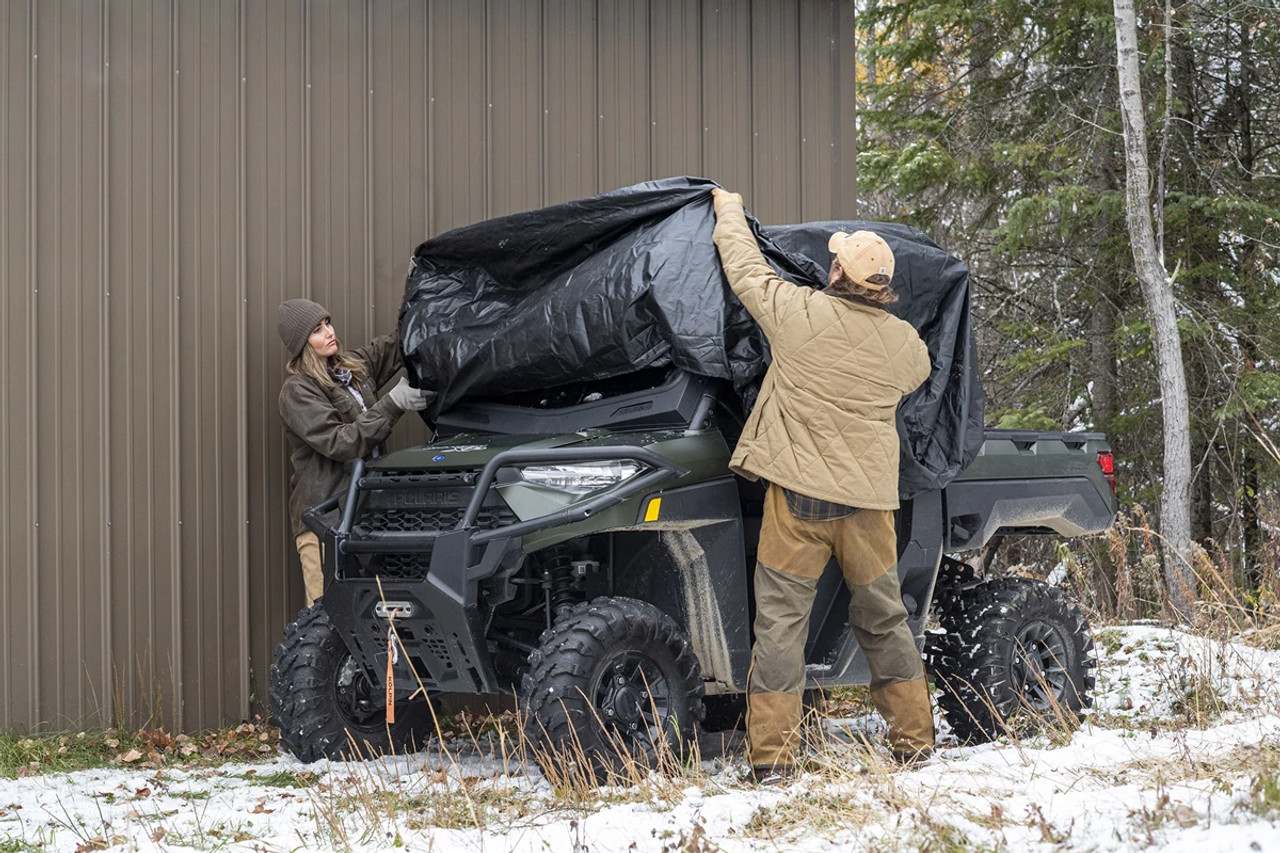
<point>455,656</point>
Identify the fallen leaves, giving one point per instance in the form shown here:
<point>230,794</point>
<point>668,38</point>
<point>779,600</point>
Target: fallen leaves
<point>157,747</point>
<point>99,842</point>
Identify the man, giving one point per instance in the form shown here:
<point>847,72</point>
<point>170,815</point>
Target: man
<point>823,435</point>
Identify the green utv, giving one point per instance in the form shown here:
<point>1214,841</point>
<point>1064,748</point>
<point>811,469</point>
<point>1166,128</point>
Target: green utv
<point>588,550</point>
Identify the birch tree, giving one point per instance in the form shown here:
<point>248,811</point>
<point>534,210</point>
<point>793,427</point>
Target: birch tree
<point>1157,290</point>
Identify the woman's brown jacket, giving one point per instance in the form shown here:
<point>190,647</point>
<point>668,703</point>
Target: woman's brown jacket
<point>327,431</point>
<point>824,423</point>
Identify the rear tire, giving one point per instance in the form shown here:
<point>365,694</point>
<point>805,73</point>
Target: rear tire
<point>1015,655</point>
<point>613,685</point>
<point>326,707</point>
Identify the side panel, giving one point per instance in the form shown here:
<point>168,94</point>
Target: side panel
<point>696,572</point>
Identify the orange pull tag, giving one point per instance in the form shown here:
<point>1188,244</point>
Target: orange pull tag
<point>391,679</point>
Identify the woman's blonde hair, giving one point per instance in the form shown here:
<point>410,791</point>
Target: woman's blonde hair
<point>845,288</point>
<point>307,363</point>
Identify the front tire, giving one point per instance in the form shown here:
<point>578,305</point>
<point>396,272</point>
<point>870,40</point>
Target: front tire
<point>1014,655</point>
<point>325,705</point>
<point>613,685</point>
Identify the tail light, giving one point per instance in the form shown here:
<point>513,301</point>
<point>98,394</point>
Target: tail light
<point>1107,463</point>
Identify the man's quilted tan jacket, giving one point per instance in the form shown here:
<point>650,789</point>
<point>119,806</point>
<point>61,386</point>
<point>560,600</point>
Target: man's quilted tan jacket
<point>824,423</point>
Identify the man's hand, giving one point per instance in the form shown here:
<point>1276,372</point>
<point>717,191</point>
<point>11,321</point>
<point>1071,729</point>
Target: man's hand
<point>720,197</point>
<point>406,397</point>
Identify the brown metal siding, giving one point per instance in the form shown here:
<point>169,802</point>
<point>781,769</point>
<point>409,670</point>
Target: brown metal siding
<point>17,381</point>
<point>172,170</point>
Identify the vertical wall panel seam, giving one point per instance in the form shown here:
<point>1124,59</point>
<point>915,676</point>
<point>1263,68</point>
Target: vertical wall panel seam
<point>543,103</point>
<point>833,150</point>
<point>6,534</point>
<point>751,98</point>
<point>430,135</point>
<point>800,127</point>
<point>104,359</point>
<point>145,419</point>
<point>844,164</point>
<point>702,92</point>
<point>368,169</point>
<point>175,425</point>
<point>307,224</point>
<point>242,381</point>
<point>836,72</point>
<point>649,48</point>
<point>599,106</point>
<point>53,288</point>
<point>33,480</point>
<point>486,123</point>
<point>203,240</point>
<point>853,11</point>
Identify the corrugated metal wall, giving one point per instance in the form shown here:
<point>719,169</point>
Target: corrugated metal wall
<point>171,170</point>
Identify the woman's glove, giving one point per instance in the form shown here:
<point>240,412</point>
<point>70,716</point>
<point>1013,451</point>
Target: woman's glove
<point>406,397</point>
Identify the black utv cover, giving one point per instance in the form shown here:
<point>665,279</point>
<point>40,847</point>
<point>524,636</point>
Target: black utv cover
<point>630,279</point>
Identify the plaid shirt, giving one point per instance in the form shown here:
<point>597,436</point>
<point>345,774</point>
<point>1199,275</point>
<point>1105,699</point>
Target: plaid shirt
<point>806,508</point>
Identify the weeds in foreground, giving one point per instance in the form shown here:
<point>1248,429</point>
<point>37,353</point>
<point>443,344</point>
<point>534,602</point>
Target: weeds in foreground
<point>1264,789</point>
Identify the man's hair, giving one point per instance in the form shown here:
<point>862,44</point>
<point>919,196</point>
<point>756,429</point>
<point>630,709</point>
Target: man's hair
<point>845,288</point>
<point>308,363</point>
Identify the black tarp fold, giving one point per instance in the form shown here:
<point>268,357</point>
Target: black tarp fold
<point>630,279</point>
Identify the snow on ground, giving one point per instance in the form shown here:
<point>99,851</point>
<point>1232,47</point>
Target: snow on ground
<point>1181,753</point>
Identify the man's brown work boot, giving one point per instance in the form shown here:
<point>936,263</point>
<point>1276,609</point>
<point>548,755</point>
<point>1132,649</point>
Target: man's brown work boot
<point>772,774</point>
<point>908,758</point>
<point>905,707</point>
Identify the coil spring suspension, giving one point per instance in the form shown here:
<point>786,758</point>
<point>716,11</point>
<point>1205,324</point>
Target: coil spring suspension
<point>557,572</point>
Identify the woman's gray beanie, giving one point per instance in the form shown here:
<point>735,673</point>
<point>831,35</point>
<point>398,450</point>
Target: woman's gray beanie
<point>296,319</point>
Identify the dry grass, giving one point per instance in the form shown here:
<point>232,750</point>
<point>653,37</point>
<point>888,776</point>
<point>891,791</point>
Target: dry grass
<point>372,807</point>
<point>1118,577</point>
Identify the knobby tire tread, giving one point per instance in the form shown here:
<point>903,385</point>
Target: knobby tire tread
<point>302,702</point>
<point>560,717</point>
<point>971,658</point>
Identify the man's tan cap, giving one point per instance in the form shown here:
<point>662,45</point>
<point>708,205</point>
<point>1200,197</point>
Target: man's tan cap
<point>862,254</point>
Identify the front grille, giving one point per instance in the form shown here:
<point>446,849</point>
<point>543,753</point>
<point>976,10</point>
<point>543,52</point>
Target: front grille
<point>436,504</point>
<point>392,519</point>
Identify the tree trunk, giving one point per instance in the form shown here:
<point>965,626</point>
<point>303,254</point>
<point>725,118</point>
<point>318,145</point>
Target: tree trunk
<point>1157,290</point>
<point>1102,355</point>
<point>1253,461</point>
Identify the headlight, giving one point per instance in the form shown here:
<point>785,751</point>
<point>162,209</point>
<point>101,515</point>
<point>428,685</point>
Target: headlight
<point>581,477</point>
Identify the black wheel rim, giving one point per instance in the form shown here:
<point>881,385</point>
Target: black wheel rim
<point>360,703</point>
<point>631,695</point>
<point>1040,665</point>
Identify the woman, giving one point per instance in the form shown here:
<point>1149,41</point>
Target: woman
<point>332,414</point>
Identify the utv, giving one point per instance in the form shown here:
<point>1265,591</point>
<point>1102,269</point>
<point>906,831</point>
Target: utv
<point>588,550</point>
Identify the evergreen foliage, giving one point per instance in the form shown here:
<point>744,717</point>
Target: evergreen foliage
<point>994,126</point>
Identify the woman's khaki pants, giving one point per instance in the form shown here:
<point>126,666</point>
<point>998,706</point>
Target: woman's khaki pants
<point>312,572</point>
<point>792,556</point>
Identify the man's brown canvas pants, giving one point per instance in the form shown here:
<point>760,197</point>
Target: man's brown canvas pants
<point>792,556</point>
